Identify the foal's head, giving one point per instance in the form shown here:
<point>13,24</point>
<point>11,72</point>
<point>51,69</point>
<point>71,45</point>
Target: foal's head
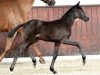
<point>79,13</point>
<point>49,2</point>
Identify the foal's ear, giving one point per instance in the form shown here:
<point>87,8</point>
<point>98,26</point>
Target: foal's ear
<point>78,3</point>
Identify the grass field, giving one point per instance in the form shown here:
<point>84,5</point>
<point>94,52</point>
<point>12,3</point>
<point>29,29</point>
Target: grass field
<point>63,67</point>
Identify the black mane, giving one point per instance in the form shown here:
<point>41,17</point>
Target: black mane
<point>69,13</point>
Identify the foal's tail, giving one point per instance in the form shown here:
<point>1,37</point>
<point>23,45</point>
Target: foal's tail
<point>11,33</point>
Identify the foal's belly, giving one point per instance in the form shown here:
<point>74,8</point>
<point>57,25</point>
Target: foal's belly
<point>60,35</point>
<point>53,37</point>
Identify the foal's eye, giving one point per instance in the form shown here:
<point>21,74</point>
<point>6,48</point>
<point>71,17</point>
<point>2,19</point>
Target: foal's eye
<point>79,10</point>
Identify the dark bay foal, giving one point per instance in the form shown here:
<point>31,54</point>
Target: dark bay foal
<point>57,31</point>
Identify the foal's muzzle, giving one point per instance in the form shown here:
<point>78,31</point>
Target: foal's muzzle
<point>86,19</point>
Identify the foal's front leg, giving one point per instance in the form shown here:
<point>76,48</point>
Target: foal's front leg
<point>56,49</point>
<point>77,44</point>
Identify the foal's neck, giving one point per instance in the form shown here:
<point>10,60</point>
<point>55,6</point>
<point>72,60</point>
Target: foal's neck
<point>68,18</point>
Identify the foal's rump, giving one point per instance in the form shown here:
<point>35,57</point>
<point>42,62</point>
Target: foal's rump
<point>32,24</point>
<point>11,33</point>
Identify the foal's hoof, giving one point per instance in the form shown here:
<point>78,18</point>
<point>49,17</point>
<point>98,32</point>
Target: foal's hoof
<point>53,71</point>
<point>11,69</point>
<point>42,61</point>
<point>34,63</point>
<point>84,60</point>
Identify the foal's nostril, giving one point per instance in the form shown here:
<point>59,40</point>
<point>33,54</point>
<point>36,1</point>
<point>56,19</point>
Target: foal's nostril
<point>86,19</point>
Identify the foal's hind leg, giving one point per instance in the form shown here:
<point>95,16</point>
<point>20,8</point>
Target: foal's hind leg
<point>77,44</point>
<point>19,51</point>
<point>35,47</point>
<point>56,49</point>
<point>16,57</point>
<point>32,56</point>
<point>13,63</point>
<point>24,45</point>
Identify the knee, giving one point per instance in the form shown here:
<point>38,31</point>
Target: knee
<point>78,45</point>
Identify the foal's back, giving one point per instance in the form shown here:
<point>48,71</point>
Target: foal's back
<point>48,31</point>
